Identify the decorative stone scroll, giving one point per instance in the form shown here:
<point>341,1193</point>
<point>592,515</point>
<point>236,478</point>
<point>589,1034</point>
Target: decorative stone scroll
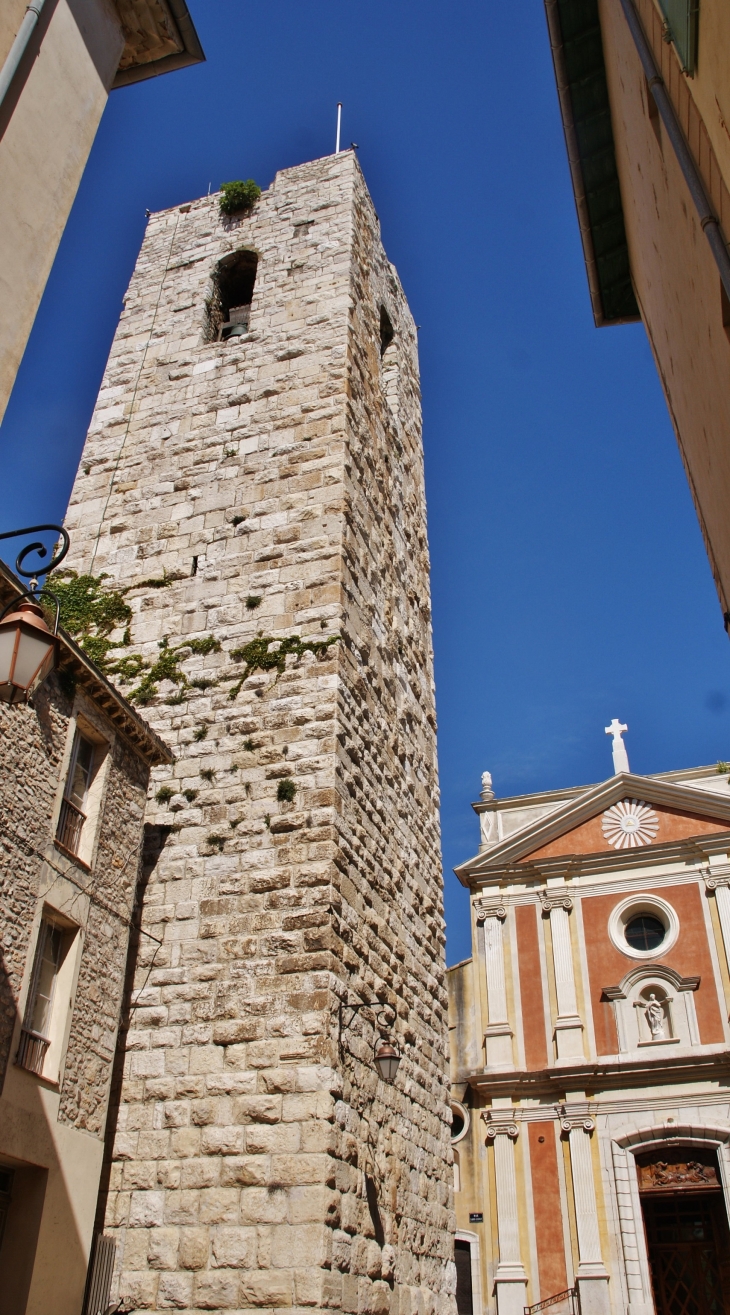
<point>496,1126</point>
<point>550,902</point>
<point>484,909</point>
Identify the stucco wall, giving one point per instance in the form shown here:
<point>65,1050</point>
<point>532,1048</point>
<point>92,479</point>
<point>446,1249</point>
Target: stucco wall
<point>676,279</point>
<point>47,125</point>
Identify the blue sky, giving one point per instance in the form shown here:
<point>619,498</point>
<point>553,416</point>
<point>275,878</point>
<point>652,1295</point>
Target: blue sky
<point>570,582</point>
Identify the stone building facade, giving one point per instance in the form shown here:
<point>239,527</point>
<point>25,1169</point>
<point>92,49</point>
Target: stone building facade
<point>591,1050</point>
<point>69,881</point>
<point>256,452</point>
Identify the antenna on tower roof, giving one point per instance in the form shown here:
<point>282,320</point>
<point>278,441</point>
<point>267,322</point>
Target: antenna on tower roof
<point>339,125</point>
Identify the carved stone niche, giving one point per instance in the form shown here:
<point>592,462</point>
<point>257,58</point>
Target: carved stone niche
<point>677,1168</point>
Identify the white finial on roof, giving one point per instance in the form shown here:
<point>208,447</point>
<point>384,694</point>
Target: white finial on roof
<point>620,756</point>
<point>487,791</point>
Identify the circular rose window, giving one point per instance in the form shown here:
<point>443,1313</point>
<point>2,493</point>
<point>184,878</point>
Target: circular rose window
<point>645,932</point>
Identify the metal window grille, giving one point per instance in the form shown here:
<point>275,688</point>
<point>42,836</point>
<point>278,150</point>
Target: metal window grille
<point>99,1278</point>
<point>32,1051</point>
<point>70,825</point>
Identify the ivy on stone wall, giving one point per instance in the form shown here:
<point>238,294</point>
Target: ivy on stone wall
<point>259,655</point>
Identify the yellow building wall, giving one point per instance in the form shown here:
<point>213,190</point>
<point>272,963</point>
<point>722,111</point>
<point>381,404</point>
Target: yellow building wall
<point>677,282</point>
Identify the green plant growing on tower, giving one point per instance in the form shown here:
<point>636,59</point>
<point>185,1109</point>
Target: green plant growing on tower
<point>200,733</point>
<point>90,611</point>
<point>285,791</point>
<point>238,195</point>
<point>253,601</point>
<point>207,773</point>
<point>259,656</point>
<point>216,842</point>
<point>164,794</point>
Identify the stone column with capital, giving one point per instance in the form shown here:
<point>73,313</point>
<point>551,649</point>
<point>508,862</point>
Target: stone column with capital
<point>591,1274</point>
<point>568,1025</point>
<point>510,1279</point>
<point>498,1034</point>
<point>717,879</point>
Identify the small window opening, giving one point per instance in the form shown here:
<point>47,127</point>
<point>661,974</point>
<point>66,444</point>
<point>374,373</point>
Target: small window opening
<point>195,566</point>
<point>387,333</point>
<point>372,1196</point>
<point>645,932</point>
<point>229,310</point>
<point>73,807</point>
<point>457,1172</point>
<point>725,307</point>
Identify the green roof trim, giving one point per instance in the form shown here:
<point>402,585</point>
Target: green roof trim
<point>580,71</point>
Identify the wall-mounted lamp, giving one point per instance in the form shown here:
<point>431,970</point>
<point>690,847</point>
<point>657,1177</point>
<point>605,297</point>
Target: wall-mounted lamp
<point>387,1057</point>
<point>27,646</point>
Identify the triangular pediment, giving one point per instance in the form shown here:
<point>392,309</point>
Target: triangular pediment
<point>626,814</point>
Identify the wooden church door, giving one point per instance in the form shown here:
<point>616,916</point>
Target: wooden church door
<point>687,1234</point>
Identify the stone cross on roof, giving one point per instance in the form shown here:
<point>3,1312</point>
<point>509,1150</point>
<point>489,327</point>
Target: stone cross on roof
<point>620,756</point>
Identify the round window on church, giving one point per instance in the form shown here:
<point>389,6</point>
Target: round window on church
<point>643,926</point>
<point>459,1120</point>
<point>645,932</point>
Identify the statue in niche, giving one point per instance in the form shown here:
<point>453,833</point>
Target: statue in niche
<point>654,1015</point>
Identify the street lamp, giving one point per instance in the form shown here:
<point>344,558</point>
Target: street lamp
<point>387,1057</point>
<point>387,1060</point>
<point>27,646</point>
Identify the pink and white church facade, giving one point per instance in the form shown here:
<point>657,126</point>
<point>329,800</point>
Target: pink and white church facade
<point>590,1049</point>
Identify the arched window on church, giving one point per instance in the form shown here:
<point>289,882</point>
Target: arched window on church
<point>229,303</point>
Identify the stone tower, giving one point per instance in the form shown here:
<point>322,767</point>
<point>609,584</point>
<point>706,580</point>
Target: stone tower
<point>253,479</point>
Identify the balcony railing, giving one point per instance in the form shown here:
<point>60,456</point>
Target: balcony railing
<point>32,1051</point>
<point>70,825</point>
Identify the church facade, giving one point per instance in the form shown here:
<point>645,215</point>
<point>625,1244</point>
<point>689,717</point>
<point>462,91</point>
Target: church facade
<point>591,1049</point>
<point>253,481</point>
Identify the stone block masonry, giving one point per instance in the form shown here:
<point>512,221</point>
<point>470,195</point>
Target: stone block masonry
<point>274,483</point>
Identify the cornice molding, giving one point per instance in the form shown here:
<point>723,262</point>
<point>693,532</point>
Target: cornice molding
<point>625,785</point>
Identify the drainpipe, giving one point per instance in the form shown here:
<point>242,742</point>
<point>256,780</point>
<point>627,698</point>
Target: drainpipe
<point>707,217</point>
<point>19,46</point>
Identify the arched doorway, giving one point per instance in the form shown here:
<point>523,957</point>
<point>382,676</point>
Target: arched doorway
<point>686,1226</point>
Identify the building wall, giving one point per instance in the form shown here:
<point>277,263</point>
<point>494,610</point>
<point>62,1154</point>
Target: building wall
<point>284,466</point>
<point>48,122</point>
<point>51,1131</point>
<point>559,1093</point>
<point>676,280</point>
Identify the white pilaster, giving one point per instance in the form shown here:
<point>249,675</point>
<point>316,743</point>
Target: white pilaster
<point>591,1273</point>
<point>510,1279</point>
<point>568,1025</point>
<point>498,1034</point>
<point>718,879</point>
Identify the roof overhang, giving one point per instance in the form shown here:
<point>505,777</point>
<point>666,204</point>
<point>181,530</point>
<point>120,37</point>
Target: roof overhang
<point>78,665</point>
<point>159,36</point>
<point>580,73</point>
<point>623,785</point>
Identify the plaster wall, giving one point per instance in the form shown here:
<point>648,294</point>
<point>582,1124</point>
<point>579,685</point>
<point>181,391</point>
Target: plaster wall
<point>676,280</point>
<point>277,479</point>
<point>47,125</point>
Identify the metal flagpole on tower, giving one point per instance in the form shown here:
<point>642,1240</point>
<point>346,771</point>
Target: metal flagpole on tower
<point>339,123</point>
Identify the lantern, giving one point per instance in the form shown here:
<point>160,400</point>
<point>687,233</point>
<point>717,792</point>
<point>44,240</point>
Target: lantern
<point>27,651</point>
<point>387,1060</point>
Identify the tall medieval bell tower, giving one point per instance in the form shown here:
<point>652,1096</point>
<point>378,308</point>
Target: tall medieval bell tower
<point>253,479</point>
